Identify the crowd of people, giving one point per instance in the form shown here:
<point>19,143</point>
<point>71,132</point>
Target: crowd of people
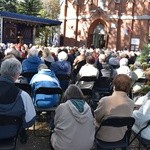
<point>74,121</point>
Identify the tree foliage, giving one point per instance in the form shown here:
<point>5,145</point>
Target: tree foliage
<point>144,54</point>
<point>51,10</point>
<point>30,7</point>
<point>8,5</point>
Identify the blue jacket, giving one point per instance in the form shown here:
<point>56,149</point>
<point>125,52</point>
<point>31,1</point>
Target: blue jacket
<point>45,78</point>
<point>31,64</point>
<point>15,102</point>
<point>62,67</point>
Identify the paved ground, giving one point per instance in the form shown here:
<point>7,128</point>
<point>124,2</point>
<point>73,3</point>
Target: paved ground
<point>34,142</point>
<point>42,143</point>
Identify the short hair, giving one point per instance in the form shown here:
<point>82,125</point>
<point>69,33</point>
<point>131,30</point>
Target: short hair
<point>62,56</point>
<point>123,62</point>
<point>10,67</point>
<point>33,51</point>
<point>73,92</point>
<point>46,52</point>
<point>122,82</point>
<point>90,60</point>
<point>42,66</point>
<point>102,57</point>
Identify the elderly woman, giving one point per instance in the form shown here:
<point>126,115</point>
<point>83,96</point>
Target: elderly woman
<point>32,62</point>
<point>137,73</point>
<point>118,104</point>
<point>74,127</point>
<point>124,68</point>
<point>47,58</point>
<point>62,67</point>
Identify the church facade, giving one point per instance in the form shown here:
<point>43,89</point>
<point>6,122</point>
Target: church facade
<point>114,24</point>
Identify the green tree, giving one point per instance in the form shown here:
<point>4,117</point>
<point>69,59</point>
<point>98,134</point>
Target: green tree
<point>30,7</point>
<point>144,54</point>
<point>8,5</point>
<point>51,10</point>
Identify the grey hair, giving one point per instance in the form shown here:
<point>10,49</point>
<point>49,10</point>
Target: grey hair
<point>42,66</point>
<point>10,67</point>
<point>33,51</point>
<point>73,92</point>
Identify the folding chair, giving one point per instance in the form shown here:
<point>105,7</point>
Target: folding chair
<point>28,75</point>
<point>24,86</point>
<point>104,86</point>
<point>8,139</point>
<point>47,91</point>
<point>64,80</point>
<point>117,122</point>
<point>87,91</point>
<point>142,142</point>
<point>142,82</point>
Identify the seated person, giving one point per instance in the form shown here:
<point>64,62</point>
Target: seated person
<point>79,61</point>
<point>124,68</point>
<point>47,58</point>
<point>13,101</point>
<point>74,126</point>
<point>32,62</point>
<point>142,116</point>
<point>118,104</point>
<point>88,70</point>
<point>137,73</point>
<point>44,78</point>
<point>62,67</point>
<point>105,69</point>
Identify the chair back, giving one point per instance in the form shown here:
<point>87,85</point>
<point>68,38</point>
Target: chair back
<point>9,130</point>
<point>25,87</point>
<point>28,75</point>
<point>87,92</point>
<point>141,80</point>
<point>48,91</point>
<point>103,86</point>
<point>87,79</point>
<point>104,82</point>
<point>116,121</point>
<point>64,80</point>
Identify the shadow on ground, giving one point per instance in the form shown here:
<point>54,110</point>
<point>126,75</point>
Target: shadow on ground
<point>36,142</point>
<point>42,143</point>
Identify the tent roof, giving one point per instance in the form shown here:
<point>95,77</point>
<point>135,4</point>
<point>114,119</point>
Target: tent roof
<point>23,17</point>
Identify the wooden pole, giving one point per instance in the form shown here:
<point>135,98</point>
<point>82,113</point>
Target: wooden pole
<point>77,20</point>
<point>65,20</point>
<point>132,24</point>
<point>118,40</point>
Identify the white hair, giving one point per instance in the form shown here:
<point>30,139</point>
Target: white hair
<point>123,62</point>
<point>62,56</point>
